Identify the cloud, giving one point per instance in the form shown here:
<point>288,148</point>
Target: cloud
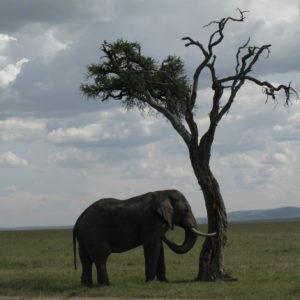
<point>89,149</point>
<point>179,172</point>
<point>87,134</point>
<point>5,40</point>
<point>270,168</point>
<point>28,208</point>
<point>75,159</point>
<point>15,15</point>
<point>9,73</point>
<point>111,128</point>
<point>15,129</point>
<point>46,45</point>
<point>9,159</point>
<point>289,131</point>
<point>51,45</point>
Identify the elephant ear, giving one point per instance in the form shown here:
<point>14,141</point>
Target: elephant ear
<point>165,211</point>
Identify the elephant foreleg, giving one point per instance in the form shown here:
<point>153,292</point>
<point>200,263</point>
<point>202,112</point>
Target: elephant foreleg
<point>161,268</point>
<point>151,253</point>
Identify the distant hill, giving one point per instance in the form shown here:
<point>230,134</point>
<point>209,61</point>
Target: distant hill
<point>276,214</point>
<point>29,228</point>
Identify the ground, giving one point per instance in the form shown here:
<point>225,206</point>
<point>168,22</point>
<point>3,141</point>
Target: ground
<point>79,298</point>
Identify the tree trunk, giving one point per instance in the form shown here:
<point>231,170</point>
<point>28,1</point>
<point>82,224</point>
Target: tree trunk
<point>211,260</point>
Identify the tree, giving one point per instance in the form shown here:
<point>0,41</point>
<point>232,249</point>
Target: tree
<point>126,75</point>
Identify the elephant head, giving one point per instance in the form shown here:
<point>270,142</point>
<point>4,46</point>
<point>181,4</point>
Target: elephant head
<point>174,209</point>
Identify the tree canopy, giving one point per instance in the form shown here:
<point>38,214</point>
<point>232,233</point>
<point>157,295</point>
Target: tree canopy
<point>136,80</point>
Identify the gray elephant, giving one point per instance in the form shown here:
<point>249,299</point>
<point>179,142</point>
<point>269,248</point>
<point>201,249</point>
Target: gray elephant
<point>113,226</point>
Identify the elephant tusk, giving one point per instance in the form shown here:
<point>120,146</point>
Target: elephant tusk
<point>202,233</point>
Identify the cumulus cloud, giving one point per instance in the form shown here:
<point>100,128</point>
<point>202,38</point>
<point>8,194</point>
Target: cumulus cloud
<point>288,131</point>
<point>16,129</point>
<point>179,172</point>
<point>90,134</point>
<point>9,73</point>
<point>267,169</point>
<point>50,45</point>
<point>29,208</point>
<point>114,126</point>
<point>10,159</point>
<point>5,41</point>
<point>75,159</point>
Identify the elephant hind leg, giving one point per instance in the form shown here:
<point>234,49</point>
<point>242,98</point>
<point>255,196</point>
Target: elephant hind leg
<point>86,262</point>
<point>102,275</point>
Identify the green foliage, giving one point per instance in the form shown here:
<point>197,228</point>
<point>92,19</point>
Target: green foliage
<point>264,257</point>
<point>124,74</point>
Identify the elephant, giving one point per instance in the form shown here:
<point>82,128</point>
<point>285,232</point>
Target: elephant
<point>114,226</point>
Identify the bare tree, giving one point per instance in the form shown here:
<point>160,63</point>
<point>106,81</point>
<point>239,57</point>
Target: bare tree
<point>137,81</point>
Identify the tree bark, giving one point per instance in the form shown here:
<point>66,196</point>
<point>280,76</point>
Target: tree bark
<point>211,260</point>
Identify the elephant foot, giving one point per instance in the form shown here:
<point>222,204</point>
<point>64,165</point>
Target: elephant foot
<point>87,284</point>
<point>228,277</point>
<point>164,279</point>
<point>150,280</point>
<point>105,283</point>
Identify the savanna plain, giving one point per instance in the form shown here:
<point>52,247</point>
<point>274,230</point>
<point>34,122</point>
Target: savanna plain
<point>264,257</point>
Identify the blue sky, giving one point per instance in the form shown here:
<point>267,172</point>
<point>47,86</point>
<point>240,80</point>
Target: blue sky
<point>60,152</point>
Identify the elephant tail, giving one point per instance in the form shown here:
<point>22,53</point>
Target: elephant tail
<point>74,246</point>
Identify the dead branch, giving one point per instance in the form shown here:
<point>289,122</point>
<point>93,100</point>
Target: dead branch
<point>270,90</point>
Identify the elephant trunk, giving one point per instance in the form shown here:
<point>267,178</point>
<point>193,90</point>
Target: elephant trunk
<point>189,241</point>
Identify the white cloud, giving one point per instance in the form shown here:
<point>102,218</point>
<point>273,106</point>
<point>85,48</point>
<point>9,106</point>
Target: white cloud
<point>241,160</point>
<point>91,133</point>
<point>177,172</point>
<point>3,60</point>
<point>9,159</point>
<point>5,41</point>
<point>27,208</point>
<point>289,130</point>
<point>50,45</point>
<point>9,73</point>
<point>112,126</point>
<point>14,129</point>
<point>74,158</point>
<point>280,158</point>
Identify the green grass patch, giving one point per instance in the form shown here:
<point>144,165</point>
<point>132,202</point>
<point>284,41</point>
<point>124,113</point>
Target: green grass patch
<point>264,257</point>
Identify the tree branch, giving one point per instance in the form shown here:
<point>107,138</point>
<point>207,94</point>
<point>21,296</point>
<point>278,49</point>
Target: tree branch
<point>244,64</point>
<point>208,53</point>
<point>221,25</point>
<point>195,43</point>
<point>269,89</point>
<point>175,121</point>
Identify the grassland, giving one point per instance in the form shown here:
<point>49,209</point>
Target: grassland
<point>264,257</point>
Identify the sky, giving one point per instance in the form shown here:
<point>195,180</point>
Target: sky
<point>59,151</point>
